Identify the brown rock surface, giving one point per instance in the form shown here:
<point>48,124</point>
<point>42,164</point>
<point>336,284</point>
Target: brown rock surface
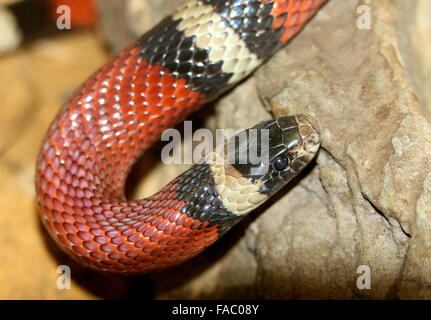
<point>365,201</point>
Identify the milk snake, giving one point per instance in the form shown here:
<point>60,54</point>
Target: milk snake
<point>188,59</point>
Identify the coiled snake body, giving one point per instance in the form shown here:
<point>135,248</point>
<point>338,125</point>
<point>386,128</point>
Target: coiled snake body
<point>191,57</point>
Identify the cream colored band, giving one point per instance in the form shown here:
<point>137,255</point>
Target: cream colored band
<point>238,194</point>
<point>222,42</point>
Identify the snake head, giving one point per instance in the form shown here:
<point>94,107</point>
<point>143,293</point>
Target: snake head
<point>284,146</point>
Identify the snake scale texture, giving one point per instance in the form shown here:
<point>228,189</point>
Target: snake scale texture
<point>188,59</point>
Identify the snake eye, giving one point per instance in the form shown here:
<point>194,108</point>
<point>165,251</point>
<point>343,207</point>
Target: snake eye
<point>280,163</point>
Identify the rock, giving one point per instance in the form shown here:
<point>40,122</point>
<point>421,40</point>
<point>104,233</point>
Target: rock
<point>373,127</point>
<point>122,22</point>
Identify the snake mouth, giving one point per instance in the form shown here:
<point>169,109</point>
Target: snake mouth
<point>309,132</point>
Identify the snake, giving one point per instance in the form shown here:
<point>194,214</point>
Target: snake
<point>191,57</point>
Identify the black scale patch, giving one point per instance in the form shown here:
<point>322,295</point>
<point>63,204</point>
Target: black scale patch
<point>169,47</point>
<point>252,21</point>
<point>202,200</point>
